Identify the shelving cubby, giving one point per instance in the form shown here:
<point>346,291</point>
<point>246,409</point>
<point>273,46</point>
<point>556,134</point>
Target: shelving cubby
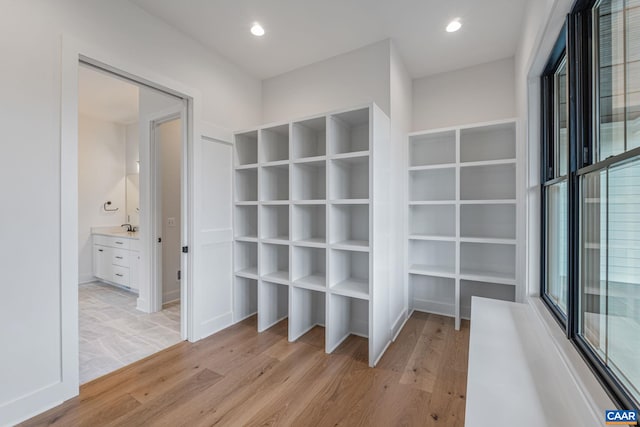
<point>350,226</point>
<point>309,224</point>
<point>350,178</point>
<point>275,222</point>
<point>308,310</point>
<point>312,221</point>
<point>432,149</point>
<point>309,267</point>
<point>310,138</point>
<point>274,144</point>
<point>309,181</point>
<point>349,131</point>
<point>246,148</point>
<point>462,225</point>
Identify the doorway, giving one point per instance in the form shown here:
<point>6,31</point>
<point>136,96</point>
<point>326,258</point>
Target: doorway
<point>131,220</point>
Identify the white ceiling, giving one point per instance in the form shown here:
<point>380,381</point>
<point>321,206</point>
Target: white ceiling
<point>106,97</point>
<point>301,32</point>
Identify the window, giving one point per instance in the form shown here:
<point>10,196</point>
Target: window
<point>591,189</point>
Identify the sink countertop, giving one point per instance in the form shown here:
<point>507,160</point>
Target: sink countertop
<point>115,232</point>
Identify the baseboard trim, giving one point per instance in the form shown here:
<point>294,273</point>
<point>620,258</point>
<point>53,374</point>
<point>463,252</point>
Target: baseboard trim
<point>32,404</point>
<point>170,297</point>
<point>398,325</point>
<point>211,326</point>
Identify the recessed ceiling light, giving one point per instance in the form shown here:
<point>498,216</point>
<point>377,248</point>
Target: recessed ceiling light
<point>257,30</point>
<point>454,26</point>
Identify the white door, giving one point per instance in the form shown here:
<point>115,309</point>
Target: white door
<point>213,237</point>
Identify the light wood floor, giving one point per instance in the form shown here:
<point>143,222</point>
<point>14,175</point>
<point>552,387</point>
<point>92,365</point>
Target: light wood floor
<point>239,377</point>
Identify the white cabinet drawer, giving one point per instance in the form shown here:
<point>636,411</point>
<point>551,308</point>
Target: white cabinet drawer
<point>113,242</point>
<point>120,275</point>
<point>120,257</point>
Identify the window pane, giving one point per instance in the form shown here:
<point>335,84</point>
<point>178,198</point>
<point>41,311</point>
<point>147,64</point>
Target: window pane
<point>556,240</point>
<point>610,278</point>
<point>562,108</point>
<point>633,73</point>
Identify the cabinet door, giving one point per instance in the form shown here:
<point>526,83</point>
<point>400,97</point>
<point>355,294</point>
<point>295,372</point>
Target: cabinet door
<point>102,262</point>
<point>134,270</point>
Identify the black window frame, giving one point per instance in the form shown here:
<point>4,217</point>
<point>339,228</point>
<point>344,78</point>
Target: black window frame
<point>577,41</point>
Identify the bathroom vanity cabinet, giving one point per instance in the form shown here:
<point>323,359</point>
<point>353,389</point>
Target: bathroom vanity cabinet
<point>116,259</point>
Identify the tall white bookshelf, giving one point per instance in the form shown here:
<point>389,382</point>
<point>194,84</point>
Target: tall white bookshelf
<point>312,224</point>
<point>462,217</point>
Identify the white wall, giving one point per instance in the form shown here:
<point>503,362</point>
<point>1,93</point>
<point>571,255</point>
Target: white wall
<point>101,177</point>
<point>353,78</point>
<point>133,147</point>
<point>30,309</point>
<point>169,140</point>
<point>476,94</point>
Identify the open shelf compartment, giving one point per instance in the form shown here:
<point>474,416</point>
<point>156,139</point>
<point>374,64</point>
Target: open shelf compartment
<point>274,263</point>
<point>309,224</point>
<point>274,144</point>
<point>275,183</point>
<point>432,185</point>
<point>246,259</point>
<point>491,182</point>
<point>309,266</point>
<point>350,226</point>
<point>432,220</point>
<point>349,132</point>
<point>273,304</point>
<point>349,273</point>
<point>432,257</point>
<point>275,222</point>
<point>310,181</point>
<point>488,221</point>
<point>470,288</point>
<point>350,178</point>
<point>432,149</point>
<point>307,311</point>
<point>246,185</point>
<point>310,138</point>
<point>246,222</point>
<point>494,142</point>
<point>489,260</point>
<point>346,316</point>
<point>246,147</point>
<point>433,294</point>
<point>245,298</point>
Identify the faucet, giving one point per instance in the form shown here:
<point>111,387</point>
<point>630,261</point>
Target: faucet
<point>130,228</point>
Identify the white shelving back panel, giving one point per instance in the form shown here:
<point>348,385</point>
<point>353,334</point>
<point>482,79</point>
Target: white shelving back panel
<point>350,272</point>
<point>349,132</point>
<point>432,220</point>
<point>432,185</point>
<point>346,316</point>
<point>246,185</point>
<point>275,260</point>
<point>488,221</point>
<point>274,144</point>
<point>310,138</point>
<point>350,178</point>
<point>350,223</point>
<point>246,221</point>
<point>432,149</point>
<point>433,294</point>
<point>494,142</point>
<point>246,257</point>
<point>488,182</point>
<point>273,304</point>
<point>275,222</point>
<point>309,266</point>
<point>435,256</point>
<point>307,310</point>
<point>488,259</point>
<point>246,300</point>
<point>246,148</point>
<point>275,183</point>
<point>469,288</point>
<point>310,181</point>
<point>309,223</point>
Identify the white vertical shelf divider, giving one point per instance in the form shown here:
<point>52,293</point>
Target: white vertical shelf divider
<point>479,162</point>
<point>329,265</point>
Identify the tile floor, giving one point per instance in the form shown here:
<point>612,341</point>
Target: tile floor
<point>114,334</point>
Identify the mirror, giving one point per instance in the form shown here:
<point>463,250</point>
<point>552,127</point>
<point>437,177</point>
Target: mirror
<point>133,199</point>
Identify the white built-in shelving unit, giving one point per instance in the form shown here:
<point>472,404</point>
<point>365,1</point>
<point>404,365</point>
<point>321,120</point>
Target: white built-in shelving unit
<point>462,217</point>
<point>311,225</point>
